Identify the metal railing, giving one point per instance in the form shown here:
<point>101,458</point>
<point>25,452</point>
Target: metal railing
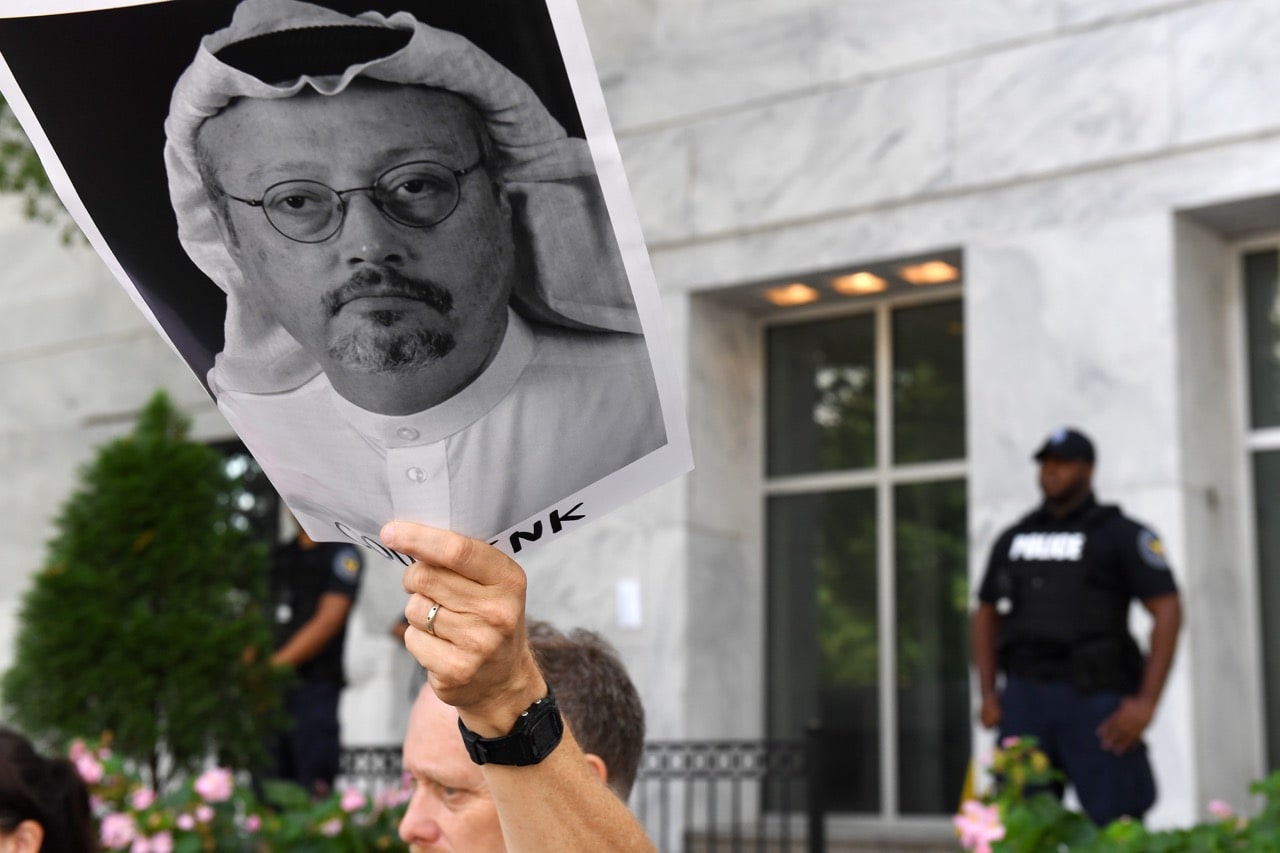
<point>729,796</point>
<point>372,769</point>
<point>733,796</point>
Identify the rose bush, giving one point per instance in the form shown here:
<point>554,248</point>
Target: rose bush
<point>216,811</point>
<point>1019,816</point>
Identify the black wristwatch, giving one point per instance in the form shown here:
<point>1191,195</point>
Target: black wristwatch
<point>536,733</point>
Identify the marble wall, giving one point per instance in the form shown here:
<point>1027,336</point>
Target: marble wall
<point>1056,144</point>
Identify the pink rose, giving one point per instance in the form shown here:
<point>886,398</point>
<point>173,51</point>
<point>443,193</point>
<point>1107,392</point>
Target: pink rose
<point>89,769</point>
<point>331,827</point>
<point>1221,809</point>
<point>204,813</point>
<point>978,826</point>
<point>215,785</point>
<point>186,822</point>
<point>117,830</point>
<point>162,842</point>
<point>353,800</point>
<point>253,823</point>
<point>142,799</point>
<point>78,748</point>
<point>140,845</point>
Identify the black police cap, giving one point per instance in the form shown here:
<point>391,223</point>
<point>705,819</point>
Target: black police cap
<point>1066,444</point>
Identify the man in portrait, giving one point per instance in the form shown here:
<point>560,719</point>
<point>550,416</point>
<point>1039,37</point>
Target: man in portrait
<point>427,314</point>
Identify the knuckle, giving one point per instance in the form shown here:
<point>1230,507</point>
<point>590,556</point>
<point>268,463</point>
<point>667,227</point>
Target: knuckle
<point>500,616</point>
<point>410,580</point>
<point>415,610</point>
<point>458,551</point>
<point>423,580</point>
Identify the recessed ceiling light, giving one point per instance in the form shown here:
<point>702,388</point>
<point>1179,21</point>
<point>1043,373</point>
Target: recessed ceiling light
<point>929,272</point>
<point>858,283</point>
<point>792,294</point>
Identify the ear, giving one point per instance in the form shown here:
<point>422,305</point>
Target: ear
<point>597,765</point>
<point>226,231</point>
<point>27,838</point>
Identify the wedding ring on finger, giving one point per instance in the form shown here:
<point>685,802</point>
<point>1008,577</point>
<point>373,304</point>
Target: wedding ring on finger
<point>431,619</point>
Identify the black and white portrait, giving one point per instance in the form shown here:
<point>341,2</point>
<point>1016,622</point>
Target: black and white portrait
<point>425,311</point>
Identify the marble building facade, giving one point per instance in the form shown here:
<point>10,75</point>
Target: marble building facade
<point>1098,168</point>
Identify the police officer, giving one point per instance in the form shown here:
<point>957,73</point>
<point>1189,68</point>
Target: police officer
<point>1052,616</point>
<point>313,585</point>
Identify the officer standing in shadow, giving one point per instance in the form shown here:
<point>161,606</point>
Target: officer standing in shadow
<point>313,585</point>
<point>1053,616</point>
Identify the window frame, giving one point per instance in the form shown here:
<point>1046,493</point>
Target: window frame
<point>884,477</point>
<point>1252,442</point>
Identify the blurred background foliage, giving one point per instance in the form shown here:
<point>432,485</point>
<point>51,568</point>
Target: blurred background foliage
<point>146,619</point>
<point>22,174</point>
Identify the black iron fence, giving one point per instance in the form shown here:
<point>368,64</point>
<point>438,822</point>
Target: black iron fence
<point>729,796</point>
<point>733,796</point>
<point>372,769</point>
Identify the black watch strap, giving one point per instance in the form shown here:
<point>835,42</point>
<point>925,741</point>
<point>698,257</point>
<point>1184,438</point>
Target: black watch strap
<point>536,733</point>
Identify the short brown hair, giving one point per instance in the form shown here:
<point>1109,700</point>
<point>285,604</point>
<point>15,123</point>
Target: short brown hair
<point>596,696</point>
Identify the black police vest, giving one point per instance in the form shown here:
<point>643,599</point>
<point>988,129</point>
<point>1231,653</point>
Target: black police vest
<point>1058,590</point>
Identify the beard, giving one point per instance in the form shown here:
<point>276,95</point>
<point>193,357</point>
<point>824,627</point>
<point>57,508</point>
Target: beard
<point>385,349</point>
<point>385,345</point>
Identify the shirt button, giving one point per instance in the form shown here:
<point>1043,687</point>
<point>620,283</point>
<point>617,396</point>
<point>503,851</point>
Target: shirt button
<point>407,433</point>
<point>417,475</point>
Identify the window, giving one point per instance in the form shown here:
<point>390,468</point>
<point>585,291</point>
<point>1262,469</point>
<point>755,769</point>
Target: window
<point>255,504</point>
<point>1260,275</point>
<point>866,534</point>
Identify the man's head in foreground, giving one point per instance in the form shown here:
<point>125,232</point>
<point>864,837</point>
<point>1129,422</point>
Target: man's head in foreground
<point>372,227</point>
<point>451,809</point>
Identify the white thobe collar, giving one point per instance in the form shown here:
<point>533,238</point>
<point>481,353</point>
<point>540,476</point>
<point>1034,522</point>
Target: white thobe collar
<point>459,411</point>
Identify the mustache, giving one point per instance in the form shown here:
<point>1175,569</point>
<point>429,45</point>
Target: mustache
<point>386,281</point>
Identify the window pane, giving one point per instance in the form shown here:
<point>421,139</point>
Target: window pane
<point>821,396</point>
<point>1266,478</point>
<point>932,645</point>
<point>822,658</point>
<point>1262,295</point>
<point>928,383</point>
<point>255,506</point>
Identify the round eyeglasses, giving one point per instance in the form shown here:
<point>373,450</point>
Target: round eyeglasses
<point>418,194</point>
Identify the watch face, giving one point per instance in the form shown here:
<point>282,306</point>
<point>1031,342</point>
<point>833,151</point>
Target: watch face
<point>535,735</point>
<point>545,730</point>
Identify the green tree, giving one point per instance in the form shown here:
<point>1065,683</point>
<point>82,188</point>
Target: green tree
<point>21,171</point>
<point>146,619</point>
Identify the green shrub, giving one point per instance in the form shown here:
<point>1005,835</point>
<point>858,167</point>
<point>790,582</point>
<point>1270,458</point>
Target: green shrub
<point>146,619</point>
<point>1020,817</point>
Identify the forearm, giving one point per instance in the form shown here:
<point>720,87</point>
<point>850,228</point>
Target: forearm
<point>983,630</point>
<point>301,647</point>
<point>560,804</point>
<point>315,633</point>
<point>1167,613</point>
